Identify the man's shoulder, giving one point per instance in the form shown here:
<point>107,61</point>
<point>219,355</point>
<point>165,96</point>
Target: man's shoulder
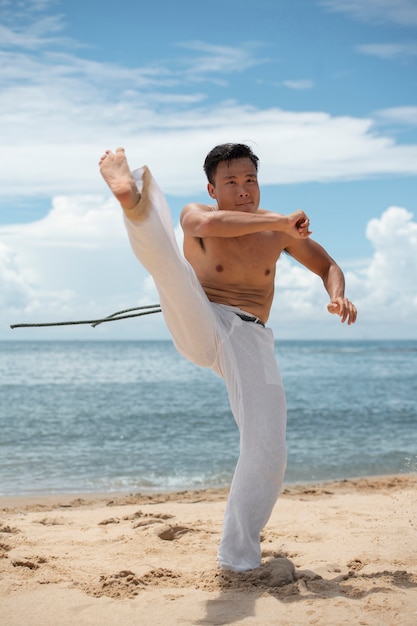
<point>194,209</point>
<point>198,206</point>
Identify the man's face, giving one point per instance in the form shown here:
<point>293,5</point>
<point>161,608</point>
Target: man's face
<point>236,186</point>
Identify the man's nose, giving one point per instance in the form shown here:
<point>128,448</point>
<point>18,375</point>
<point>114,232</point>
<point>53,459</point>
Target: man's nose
<point>243,191</point>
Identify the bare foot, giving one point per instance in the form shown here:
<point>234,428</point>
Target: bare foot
<point>116,173</point>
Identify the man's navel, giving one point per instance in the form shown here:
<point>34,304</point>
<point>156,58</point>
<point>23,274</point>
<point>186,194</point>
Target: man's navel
<point>267,272</point>
<point>219,268</point>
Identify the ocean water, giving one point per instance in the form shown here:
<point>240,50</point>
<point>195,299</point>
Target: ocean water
<point>137,417</point>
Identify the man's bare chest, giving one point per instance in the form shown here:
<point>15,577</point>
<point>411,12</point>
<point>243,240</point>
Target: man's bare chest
<point>262,248</point>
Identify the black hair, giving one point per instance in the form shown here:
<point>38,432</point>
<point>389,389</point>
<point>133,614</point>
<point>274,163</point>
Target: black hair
<point>227,152</point>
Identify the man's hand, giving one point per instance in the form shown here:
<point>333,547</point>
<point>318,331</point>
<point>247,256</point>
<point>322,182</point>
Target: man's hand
<point>298,225</point>
<point>344,308</point>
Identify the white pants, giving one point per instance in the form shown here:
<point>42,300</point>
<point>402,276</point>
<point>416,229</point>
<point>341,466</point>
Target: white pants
<point>212,335</point>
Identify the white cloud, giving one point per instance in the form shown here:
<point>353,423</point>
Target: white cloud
<point>296,147</point>
<point>403,12</point>
<point>59,111</point>
<point>73,264</point>
<point>24,25</point>
<point>399,115</point>
<point>13,288</point>
<point>77,264</point>
<point>80,221</point>
<point>383,287</point>
<point>388,50</point>
<point>391,276</point>
<point>216,59</point>
<point>300,84</point>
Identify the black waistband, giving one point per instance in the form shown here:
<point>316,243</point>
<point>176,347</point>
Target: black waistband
<point>248,318</point>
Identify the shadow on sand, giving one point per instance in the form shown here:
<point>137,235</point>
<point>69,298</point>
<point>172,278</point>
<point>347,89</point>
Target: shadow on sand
<point>279,579</point>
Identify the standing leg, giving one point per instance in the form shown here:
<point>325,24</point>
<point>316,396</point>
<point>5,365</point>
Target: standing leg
<point>258,404</point>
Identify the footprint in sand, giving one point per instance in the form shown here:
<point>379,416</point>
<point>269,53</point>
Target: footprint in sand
<point>110,520</point>
<point>157,525</point>
<point>52,521</point>
<point>168,532</point>
<point>355,565</point>
<point>32,564</point>
<point>126,584</point>
<point>4,549</point>
<point>10,530</point>
<point>272,576</point>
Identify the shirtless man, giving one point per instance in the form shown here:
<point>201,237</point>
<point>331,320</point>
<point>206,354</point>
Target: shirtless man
<point>216,302</point>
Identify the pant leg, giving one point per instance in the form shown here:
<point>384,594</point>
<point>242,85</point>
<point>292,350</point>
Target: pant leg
<point>257,399</point>
<point>185,307</point>
<point>243,353</point>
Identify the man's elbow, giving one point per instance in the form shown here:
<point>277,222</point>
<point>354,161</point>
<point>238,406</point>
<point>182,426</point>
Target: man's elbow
<point>195,225</point>
<point>333,273</point>
<point>204,228</point>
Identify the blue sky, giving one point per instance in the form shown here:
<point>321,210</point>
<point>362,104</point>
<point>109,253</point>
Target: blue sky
<point>325,91</point>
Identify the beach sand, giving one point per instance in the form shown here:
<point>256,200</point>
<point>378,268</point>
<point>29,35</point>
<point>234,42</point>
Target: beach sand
<point>334,553</point>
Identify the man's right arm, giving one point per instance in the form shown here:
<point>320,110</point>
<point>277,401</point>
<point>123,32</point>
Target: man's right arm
<point>200,220</point>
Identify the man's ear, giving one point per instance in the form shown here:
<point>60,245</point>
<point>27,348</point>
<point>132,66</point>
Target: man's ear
<point>211,190</point>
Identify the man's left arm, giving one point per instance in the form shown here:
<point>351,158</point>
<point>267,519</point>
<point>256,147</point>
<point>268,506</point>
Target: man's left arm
<point>315,258</point>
